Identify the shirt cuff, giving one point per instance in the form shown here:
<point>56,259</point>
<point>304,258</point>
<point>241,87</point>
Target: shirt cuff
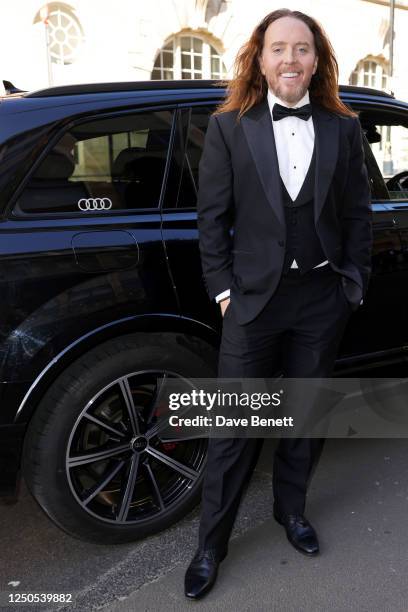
<point>222,296</point>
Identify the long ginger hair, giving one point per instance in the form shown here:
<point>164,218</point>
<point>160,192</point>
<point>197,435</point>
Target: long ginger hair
<point>249,87</point>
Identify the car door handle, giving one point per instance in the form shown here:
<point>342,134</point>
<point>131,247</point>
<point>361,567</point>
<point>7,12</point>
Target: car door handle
<point>379,225</point>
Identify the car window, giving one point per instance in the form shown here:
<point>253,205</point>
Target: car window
<point>387,136</point>
<point>102,165</point>
<point>190,145</point>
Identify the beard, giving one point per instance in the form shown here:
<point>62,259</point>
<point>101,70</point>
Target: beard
<point>290,96</point>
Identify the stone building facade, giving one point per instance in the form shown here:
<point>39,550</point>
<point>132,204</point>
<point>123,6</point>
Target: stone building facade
<point>126,40</point>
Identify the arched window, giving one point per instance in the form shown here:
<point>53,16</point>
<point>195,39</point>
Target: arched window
<point>65,32</point>
<point>370,72</point>
<point>188,57</point>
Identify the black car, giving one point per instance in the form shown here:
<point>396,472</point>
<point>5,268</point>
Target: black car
<point>102,292</point>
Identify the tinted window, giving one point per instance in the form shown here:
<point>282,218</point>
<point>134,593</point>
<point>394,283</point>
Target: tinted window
<point>388,138</point>
<point>103,165</point>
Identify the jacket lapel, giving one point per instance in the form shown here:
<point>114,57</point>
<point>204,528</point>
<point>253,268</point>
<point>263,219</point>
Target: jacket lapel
<point>326,127</point>
<point>257,126</point>
<point>258,130</point>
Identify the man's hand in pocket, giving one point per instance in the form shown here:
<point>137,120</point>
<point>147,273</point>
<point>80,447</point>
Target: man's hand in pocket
<point>224,305</point>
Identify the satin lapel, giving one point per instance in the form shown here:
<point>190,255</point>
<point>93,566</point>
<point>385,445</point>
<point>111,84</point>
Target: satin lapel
<point>326,128</point>
<point>258,130</point>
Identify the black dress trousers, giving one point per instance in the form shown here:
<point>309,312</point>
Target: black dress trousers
<point>298,333</point>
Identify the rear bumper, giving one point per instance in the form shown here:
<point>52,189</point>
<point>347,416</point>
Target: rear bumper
<point>11,445</point>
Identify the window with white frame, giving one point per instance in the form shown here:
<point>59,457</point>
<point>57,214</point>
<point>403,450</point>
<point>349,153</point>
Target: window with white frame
<point>65,33</point>
<point>370,73</point>
<point>164,64</point>
<point>188,57</point>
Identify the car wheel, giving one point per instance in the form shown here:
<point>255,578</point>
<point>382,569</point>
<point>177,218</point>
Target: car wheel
<point>93,457</point>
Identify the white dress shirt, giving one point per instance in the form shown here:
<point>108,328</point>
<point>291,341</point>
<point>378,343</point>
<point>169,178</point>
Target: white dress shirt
<point>294,139</point>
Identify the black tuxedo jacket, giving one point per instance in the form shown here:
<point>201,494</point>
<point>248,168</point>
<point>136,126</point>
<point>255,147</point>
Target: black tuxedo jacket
<point>241,218</point>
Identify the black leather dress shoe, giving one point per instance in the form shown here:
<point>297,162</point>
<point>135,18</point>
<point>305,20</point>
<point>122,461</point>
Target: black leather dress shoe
<point>202,572</point>
<point>299,532</point>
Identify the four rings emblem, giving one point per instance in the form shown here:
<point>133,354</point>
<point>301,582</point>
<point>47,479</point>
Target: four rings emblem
<point>94,204</point>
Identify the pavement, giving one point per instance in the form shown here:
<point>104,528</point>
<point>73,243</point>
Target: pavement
<point>358,503</point>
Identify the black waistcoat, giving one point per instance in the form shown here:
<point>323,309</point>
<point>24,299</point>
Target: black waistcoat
<point>302,241</point>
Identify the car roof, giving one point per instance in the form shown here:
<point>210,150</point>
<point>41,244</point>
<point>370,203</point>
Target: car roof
<point>185,84</point>
<point>155,85</point>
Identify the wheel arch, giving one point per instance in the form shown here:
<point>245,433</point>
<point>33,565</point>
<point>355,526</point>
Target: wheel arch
<point>189,332</point>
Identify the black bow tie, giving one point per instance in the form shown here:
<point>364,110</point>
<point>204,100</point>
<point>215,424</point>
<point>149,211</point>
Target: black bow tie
<point>280,112</point>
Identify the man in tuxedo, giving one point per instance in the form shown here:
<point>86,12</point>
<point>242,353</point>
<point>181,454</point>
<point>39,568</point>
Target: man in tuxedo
<point>285,230</point>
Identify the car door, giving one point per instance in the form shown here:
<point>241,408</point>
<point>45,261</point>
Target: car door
<point>82,246</point>
<point>392,157</point>
<point>386,306</point>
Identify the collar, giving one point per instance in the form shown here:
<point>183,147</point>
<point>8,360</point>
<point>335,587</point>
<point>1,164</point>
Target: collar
<point>272,99</point>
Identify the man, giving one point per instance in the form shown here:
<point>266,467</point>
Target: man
<point>285,240</point>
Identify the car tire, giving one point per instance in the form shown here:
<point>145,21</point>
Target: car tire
<point>70,421</point>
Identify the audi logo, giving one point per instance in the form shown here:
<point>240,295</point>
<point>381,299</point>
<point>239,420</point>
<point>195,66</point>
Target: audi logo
<point>94,204</point>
